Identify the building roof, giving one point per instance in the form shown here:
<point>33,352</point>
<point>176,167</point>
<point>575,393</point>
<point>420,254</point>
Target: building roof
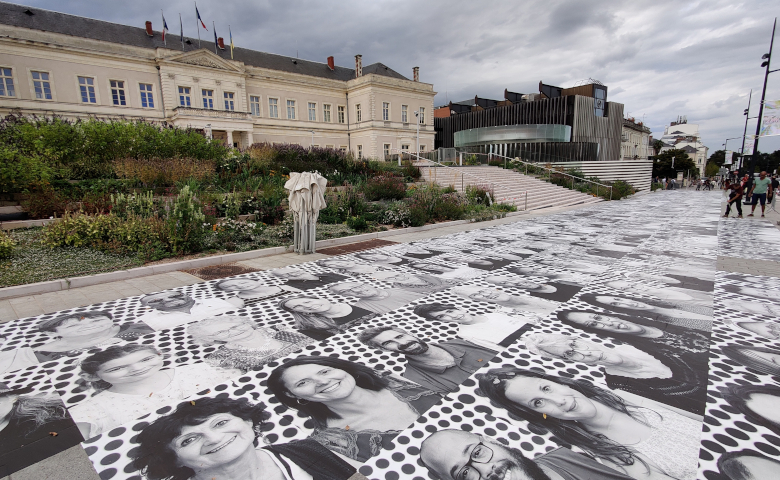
<point>82,27</point>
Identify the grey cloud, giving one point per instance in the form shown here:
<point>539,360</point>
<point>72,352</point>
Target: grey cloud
<point>668,58</point>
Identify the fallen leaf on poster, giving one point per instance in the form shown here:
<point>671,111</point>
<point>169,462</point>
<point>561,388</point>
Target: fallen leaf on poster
<point>192,402</point>
<point>53,434</point>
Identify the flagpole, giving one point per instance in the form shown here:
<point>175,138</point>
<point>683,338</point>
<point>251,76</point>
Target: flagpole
<point>197,25</point>
<point>231,42</point>
<point>214,26</point>
<point>181,29</point>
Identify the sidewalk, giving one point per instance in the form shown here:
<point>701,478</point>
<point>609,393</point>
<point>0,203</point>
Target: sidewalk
<point>28,306</point>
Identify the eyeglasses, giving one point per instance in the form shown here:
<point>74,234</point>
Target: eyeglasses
<point>479,454</point>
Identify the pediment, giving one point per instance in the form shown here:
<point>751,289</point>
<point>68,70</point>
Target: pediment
<point>204,58</point>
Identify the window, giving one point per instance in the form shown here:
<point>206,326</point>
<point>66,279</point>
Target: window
<point>147,99</point>
<point>422,116</point>
<point>118,92</point>
<point>291,109</point>
<point>341,114</point>
<point>184,97</point>
<point>328,146</point>
<point>404,147</point>
<point>6,83</point>
<point>422,148</point>
<point>343,148</point>
<point>254,105</point>
<point>405,113</point>
<point>41,85</point>
<point>229,104</point>
<point>273,107</point>
<point>326,113</point>
<point>208,98</point>
<point>360,152</point>
<point>358,113</point>
<point>386,149</point>
<point>385,111</point>
<point>87,89</point>
<point>312,112</point>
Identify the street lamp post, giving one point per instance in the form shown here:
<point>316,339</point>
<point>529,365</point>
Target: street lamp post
<point>767,57</point>
<point>417,117</point>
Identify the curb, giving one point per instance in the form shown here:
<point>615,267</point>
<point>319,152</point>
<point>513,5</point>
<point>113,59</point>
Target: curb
<point>118,275</point>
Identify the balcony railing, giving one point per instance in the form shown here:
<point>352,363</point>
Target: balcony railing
<point>209,113</point>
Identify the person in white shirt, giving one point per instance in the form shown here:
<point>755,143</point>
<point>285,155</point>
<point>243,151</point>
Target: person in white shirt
<point>129,381</point>
<point>170,309</point>
<point>15,358</point>
<point>494,330</point>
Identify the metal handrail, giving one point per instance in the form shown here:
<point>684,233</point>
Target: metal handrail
<point>462,186</point>
<point>489,155</point>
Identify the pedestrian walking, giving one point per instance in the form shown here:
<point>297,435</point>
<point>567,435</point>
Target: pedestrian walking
<point>758,191</point>
<point>735,198</point>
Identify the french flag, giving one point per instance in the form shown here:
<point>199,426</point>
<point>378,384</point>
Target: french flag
<point>164,29</point>
<point>200,19</point>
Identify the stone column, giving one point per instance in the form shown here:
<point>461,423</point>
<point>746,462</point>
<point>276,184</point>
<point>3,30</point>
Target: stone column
<point>230,138</point>
<point>249,139</point>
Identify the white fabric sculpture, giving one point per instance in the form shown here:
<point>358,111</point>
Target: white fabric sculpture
<point>307,198</point>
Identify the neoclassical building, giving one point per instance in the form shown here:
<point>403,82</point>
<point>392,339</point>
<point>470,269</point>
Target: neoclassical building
<point>57,64</point>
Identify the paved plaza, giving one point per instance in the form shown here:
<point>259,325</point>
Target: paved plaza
<point>630,339</point>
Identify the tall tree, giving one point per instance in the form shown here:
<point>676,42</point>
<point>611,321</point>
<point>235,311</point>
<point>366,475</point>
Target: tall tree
<point>662,165</point>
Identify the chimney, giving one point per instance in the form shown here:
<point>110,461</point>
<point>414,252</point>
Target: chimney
<point>358,66</point>
<point>221,43</point>
<point>149,30</point>
<point>331,63</point>
<point>416,74</point>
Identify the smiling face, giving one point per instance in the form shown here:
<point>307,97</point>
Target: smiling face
<point>512,282</point>
<point>622,302</point>
<point>77,327</point>
<point>765,405</point>
<point>360,290</point>
<point>396,277</point>
<point>459,455</point>
<point>132,368</point>
<point>224,332</point>
<point>294,274</point>
<point>550,398</point>
<point>308,305</point>
<point>401,342</point>
<point>318,383</point>
<point>239,284</point>
<point>604,322</point>
<point>484,294</point>
<point>575,349</point>
<point>165,301</point>
<point>456,315</point>
<point>338,264</point>
<point>219,440</point>
<point>765,329</point>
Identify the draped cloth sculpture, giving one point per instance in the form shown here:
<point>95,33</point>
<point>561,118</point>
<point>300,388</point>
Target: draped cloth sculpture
<point>307,198</point>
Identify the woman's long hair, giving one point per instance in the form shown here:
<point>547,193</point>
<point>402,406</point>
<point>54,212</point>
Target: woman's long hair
<point>365,377</point>
<point>741,355</point>
<point>155,458</point>
<point>310,321</point>
<point>739,395</point>
<point>31,412</point>
<point>493,384</point>
<point>591,299</point>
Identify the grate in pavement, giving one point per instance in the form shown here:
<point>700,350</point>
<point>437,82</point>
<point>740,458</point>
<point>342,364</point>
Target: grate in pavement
<point>355,247</point>
<point>220,271</point>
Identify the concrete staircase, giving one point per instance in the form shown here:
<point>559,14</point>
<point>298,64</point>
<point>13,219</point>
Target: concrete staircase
<point>508,186</point>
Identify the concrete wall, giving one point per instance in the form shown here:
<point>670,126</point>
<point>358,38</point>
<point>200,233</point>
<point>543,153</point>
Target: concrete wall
<point>636,172</point>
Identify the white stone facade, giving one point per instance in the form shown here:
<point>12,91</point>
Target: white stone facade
<point>231,100</point>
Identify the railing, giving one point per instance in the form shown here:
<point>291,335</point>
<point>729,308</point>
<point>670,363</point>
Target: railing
<point>211,113</point>
<point>549,170</point>
<point>462,182</point>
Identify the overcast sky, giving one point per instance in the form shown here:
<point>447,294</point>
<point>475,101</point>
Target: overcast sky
<point>659,58</point>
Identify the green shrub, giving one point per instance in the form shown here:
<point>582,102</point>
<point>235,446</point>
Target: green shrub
<point>479,194</point>
<point>44,201</point>
<point>410,171</point>
<point>7,245</point>
<point>385,187</point>
<point>620,189</point>
<point>134,205</point>
<point>418,216</point>
<point>185,223</point>
<point>397,214</point>
<point>358,224</point>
